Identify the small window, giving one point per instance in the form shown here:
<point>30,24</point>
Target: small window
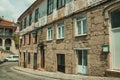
<point>60,31</point>
<point>0,42</point>
<point>49,33</point>
<point>36,14</point>
<point>50,6</point>
<point>29,39</point>
<point>60,3</point>
<point>115,19</point>
<point>25,22</point>
<point>24,39</point>
<point>81,26</point>
<point>7,48</point>
<point>30,19</point>
<point>8,42</point>
<point>35,38</point>
<point>28,58</point>
<point>1,31</point>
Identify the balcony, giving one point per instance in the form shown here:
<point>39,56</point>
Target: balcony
<point>10,34</point>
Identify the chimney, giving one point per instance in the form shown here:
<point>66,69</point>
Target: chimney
<point>2,17</point>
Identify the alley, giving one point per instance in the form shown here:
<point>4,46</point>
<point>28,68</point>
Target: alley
<point>7,74</point>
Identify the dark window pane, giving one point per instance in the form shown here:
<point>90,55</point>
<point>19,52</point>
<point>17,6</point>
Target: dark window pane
<point>36,14</point>
<point>60,3</point>
<point>85,57</point>
<point>28,58</point>
<point>80,57</point>
<point>115,19</point>
<point>50,6</point>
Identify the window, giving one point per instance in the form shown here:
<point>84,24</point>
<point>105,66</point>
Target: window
<point>24,39</point>
<point>8,42</point>
<point>61,62</point>
<point>35,38</point>
<point>25,23</point>
<point>115,19</point>
<point>60,31</point>
<point>7,48</point>
<point>0,42</point>
<point>36,14</point>
<point>30,19</point>
<point>60,3</point>
<point>29,58</point>
<point>50,6</point>
<point>8,32</point>
<point>81,26</point>
<point>49,33</point>
<point>29,38</point>
<point>21,25</point>
<point>1,31</point>
<point>82,57</point>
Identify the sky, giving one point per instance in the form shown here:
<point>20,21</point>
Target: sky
<point>12,9</point>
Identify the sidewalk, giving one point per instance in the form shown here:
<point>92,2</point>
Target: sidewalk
<point>57,75</point>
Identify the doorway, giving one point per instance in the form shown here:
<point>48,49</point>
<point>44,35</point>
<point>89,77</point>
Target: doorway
<point>115,38</point>
<point>42,56</point>
<point>35,61</point>
<point>61,62</point>
<point>82,62</point>
<point>24,62</point>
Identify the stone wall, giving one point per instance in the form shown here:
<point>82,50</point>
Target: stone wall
<point>97,35</point>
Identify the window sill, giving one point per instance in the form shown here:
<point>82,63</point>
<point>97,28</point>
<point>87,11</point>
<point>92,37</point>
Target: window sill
<point>49,40</point>
<point>81,35</point>
<point>50,13</point>
<point>60,38</point>
<point>60,7</point>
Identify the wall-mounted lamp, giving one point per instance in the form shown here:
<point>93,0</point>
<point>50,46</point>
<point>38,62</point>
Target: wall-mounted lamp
<point>34,33</point>
<point>105,48</point>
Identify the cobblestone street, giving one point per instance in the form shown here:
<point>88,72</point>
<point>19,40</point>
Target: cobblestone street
<point>7,74</point>
<point>10,71</point>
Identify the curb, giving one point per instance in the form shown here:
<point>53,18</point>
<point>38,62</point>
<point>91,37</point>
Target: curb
<point>18,70</point>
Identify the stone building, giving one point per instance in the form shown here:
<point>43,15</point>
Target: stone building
<point>71,36</point>
<point>7,44</point>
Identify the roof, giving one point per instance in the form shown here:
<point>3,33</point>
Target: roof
<point>7,23</point>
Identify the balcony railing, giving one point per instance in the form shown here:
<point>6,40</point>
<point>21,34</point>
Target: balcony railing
<point>7,44</point>
<point>6,34</point>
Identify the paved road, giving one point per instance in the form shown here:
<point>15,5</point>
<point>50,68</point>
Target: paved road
<point>7,74</point>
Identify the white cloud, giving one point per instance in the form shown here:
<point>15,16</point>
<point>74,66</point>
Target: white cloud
<point>7,9</point>
<point>11,9</point>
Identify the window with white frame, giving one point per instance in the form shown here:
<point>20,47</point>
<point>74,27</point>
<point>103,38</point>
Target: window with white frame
<point>81,25</point>
<point>49,33</point>
<point>60,31</point>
